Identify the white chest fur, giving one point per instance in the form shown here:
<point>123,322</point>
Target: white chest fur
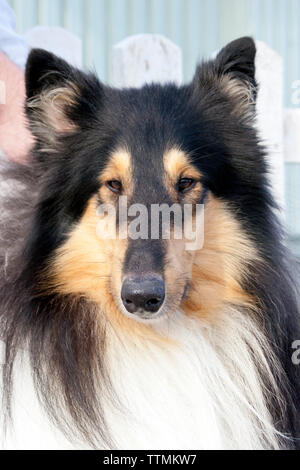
<point>201,392</point>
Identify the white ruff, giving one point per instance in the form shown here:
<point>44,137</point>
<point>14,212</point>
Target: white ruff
<point>202,393</point>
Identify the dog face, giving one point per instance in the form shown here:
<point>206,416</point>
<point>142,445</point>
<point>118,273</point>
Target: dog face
<point>159,145</point>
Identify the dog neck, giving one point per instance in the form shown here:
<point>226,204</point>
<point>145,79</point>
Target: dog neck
<point>199,389</point>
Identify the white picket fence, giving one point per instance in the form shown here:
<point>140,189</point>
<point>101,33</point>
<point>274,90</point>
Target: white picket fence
<point>152,58</point>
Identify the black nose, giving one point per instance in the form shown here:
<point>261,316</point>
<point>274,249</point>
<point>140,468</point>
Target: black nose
<point>143,294</point>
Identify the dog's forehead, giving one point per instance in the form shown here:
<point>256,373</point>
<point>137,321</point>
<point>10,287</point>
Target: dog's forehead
<point>149,117</point>
<point>151,121</point>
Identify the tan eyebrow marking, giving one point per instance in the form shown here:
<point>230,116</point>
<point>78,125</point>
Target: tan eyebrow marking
<point>177,165</point>
<point>119,168</point>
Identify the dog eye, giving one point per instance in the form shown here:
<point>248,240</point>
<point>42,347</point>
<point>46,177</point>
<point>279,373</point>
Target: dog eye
<point>115,186</point>
<point>185,184</point>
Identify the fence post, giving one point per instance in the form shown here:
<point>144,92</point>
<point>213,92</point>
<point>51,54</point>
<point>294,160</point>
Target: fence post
<point>57,40</point>
<point>292,135</point>
<point>146,58</point>
<point>269,72</point>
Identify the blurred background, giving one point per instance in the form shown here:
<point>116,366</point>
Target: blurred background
<point>199,27</point>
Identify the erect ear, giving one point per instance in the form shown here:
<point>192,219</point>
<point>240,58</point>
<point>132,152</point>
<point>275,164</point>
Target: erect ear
<point>238,59</point>
<point>60,98</point>
<point>233,71</point>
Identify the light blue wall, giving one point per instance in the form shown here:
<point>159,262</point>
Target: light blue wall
<point>199,27</point>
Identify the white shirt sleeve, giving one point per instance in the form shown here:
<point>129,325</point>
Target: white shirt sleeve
<point>11,43</point>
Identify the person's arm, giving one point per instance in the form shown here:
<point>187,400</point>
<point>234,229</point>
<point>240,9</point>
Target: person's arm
<point>11,43</point>
<point>15,138</point>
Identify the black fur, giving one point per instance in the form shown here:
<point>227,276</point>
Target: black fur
<point>199,119</point>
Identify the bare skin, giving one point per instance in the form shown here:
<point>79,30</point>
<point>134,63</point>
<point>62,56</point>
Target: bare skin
<point>15,138</point>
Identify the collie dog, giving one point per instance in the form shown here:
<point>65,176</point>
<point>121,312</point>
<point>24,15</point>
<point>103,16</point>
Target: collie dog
<point>136,342</point>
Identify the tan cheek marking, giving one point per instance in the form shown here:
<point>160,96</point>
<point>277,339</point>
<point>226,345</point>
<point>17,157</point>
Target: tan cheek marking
<point>118,168</point>
<point>81,265</point>
<point>177,270</point>
<point>218,268</point>
<point>177,165</point>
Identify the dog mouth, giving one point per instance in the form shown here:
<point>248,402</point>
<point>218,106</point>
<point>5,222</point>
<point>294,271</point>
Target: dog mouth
<point>144,317</point>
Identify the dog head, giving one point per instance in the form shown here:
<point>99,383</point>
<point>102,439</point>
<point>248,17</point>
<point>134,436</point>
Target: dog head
<point>143,154</point>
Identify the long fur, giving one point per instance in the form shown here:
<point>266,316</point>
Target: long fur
<point>223,376</point>
<point>226,382</point>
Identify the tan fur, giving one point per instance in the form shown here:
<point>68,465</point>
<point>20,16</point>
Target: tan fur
<point>215,272</point>
<point>49,109</point>
<point>242,95</point>
<point>177,165</point>
<point>118,168</point>
<point>219,268</point>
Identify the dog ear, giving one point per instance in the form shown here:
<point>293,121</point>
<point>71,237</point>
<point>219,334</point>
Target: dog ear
<point>238,60</point>
<point>60,98</point>
<point>233,71</point>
